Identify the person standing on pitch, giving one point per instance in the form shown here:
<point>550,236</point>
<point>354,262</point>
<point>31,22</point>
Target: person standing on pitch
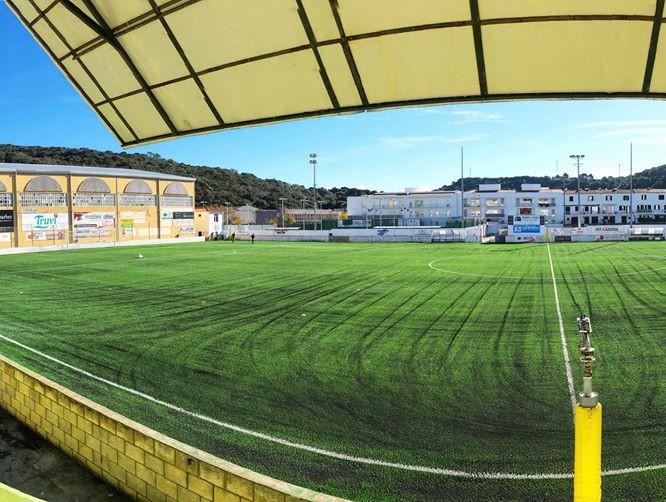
<point>252,237</point>
<point>233,236</point>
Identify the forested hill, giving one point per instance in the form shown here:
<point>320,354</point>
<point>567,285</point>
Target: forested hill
<point>650,178</point>
<point>216,186</point>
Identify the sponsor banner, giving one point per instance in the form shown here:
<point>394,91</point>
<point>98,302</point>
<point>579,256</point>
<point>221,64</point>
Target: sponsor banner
<point>5,237</point>
<point>182,223</point>
<point>40,222</point>
<point>526,220</point>
<point>127,227</point>
<point>183,215</point>
<point>94,224</point>
<point>177,215</point>
<point>138,217</point>
<point>6,220</point>
<point>47,235</point>
<point>609,229</point>
<point>186,230</point>
<point>526,229</point>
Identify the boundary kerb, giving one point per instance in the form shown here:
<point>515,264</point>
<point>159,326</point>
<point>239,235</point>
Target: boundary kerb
<point>138,461</point>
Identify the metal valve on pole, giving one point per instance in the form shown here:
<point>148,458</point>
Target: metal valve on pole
<point>587,455</point>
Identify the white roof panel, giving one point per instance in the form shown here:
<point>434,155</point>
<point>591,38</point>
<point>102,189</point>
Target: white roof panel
<point>158,69</point>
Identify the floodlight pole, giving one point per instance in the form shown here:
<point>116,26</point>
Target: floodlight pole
<point>587,440</point>
<point>578,157</point>
<point>313,161</point>
<point>631,185</point>
<point>462,186</point>
<point>282,199</point>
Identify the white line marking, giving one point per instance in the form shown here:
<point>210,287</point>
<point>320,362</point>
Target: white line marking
<point>466,273</point>
<point>260,435</point>
<point>565,351</point>
<point>320,451</point>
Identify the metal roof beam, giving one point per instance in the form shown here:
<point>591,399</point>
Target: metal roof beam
<point>313,45</point>
<point>654,40</point>
<point>186,62</point>
<point>478,46</point>
<point>100,27</point>
<point>348,53</point>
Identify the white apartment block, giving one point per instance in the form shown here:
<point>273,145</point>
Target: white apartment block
<point>404,208</point>
<point>600,207</point>
<point>491,204</point>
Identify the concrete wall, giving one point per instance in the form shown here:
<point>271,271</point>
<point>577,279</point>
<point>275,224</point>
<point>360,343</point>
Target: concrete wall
<point>138,461</point>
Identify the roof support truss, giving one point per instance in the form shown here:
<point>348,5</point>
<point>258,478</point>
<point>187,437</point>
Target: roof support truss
<point>100,27</point>
<point>654,40</point>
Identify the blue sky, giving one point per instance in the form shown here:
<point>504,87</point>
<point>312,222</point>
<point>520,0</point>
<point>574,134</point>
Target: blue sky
<point>387,150</point>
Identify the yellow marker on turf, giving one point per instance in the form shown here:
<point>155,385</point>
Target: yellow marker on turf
<point>587,430</point>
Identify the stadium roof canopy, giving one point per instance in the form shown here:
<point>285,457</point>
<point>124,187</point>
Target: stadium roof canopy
<point>157,69</point>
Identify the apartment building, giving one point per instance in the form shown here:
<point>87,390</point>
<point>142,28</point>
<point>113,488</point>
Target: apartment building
<point>491,204</point>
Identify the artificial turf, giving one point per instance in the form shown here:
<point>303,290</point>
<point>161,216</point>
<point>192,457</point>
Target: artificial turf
<point>436,355</point>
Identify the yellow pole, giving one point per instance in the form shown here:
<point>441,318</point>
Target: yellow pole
<point>587,455</point>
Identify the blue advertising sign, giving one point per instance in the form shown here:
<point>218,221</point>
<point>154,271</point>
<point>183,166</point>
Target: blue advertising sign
<point>526,229</point>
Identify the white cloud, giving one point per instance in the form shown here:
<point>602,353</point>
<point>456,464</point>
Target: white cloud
<point>632,131</point>
<point>640,132</point>
<point>623,124</point>
<point>407,142</point>
<point>471,116</point>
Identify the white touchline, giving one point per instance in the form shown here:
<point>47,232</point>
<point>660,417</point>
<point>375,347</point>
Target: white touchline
<point>565,351</point>
<point>320,451</point>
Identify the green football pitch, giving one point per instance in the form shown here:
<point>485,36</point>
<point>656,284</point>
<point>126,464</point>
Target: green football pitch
<point>366,371</point>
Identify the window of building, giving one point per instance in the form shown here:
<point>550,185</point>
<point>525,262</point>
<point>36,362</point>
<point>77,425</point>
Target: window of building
<point>625,197</point>
<point>176,201</point>
<point>216,218</point>
<point>43,199</point>
<point>93,185</point>
<point>175,188</point>
<point>43,184</point>
<point>93,199</point>
<point>137,200</point>
<point>609,197</point>
<point>138,186</point>
<point>6,199</point>
<point>418,203</point>
<point>571,198</point>
<point>590,198</point>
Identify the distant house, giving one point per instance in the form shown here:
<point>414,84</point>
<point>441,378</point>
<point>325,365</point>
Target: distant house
<point>209,221</point>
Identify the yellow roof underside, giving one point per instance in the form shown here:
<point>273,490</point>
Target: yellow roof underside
<point>162,69</point>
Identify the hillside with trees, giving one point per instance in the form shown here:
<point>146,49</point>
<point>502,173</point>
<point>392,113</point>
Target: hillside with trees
<point>215,186</point>
<point>654,177</point>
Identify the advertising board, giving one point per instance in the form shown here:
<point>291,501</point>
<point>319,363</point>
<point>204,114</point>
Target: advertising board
<point>94,224</point>
<point>39,222</point>
<point>6,220</point>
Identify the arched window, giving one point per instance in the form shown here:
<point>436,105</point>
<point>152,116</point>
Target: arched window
<point>94,185</point>
<point>138,193</point>
<point>43,191</point>
<point>43,184</point>
<point>175,189</point>
<point>93,192</point>
<point>6,199</point>
<point>138,186</point>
